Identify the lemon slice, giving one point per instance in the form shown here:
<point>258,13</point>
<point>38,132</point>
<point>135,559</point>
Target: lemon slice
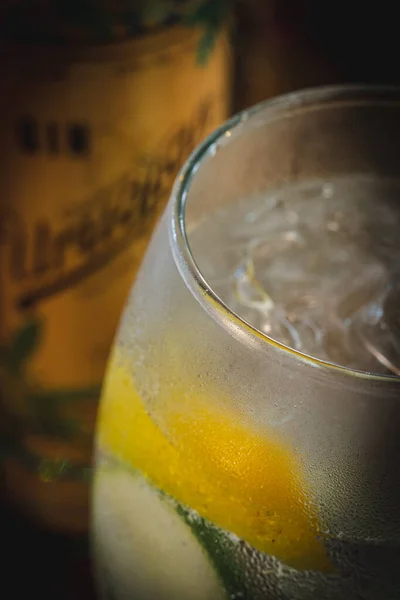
<point>233,477</point>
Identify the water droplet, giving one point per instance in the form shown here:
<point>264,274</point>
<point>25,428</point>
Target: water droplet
<point>327,190</point>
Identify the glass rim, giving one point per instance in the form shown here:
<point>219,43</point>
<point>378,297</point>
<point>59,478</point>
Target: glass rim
<point>271,110</point>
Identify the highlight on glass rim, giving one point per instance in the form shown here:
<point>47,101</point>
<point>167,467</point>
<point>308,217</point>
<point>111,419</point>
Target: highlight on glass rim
<point>247,441</point>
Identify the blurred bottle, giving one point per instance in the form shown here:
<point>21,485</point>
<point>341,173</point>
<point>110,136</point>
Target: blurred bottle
<point>100,106</point>
<point>274,52</point>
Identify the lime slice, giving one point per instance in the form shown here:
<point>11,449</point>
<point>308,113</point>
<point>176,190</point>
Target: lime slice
<point>143,547</point>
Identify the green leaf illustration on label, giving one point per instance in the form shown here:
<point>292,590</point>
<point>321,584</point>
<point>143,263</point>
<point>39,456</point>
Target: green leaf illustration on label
<point>211,16</point>
<point>25,406</point>
<point>104,22</point>
<point>23,345</point>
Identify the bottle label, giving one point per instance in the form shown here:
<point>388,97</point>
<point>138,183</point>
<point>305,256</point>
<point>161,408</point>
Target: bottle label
<point>92,139</point>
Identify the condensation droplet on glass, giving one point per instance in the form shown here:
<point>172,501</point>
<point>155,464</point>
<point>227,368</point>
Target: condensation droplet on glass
<point>293,217</point>
<point>292,236</point>
<point>267,328</point>
<point>333,226</point>
<point>327,190</point>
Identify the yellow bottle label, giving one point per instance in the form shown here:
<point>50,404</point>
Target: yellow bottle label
<point>92,139</point>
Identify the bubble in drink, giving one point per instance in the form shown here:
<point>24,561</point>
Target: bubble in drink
<point>313,266</point>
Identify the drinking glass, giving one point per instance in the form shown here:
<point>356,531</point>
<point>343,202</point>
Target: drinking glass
<point>229,465</point>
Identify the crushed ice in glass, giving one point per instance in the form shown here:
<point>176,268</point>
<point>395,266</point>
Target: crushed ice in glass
<point>314,266</point>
